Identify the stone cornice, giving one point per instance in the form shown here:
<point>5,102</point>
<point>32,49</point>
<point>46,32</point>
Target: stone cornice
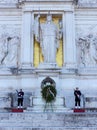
<point>44,0</point>
<point>80,3</point>
<point>43,5</point>
<point>56,4</point>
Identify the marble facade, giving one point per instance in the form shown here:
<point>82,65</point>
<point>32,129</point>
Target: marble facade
<point>79,50</point>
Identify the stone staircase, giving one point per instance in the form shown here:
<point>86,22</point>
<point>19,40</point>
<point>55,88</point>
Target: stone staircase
<point>48,121</point>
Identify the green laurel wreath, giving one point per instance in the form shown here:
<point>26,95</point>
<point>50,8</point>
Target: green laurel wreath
<point>49,93</point>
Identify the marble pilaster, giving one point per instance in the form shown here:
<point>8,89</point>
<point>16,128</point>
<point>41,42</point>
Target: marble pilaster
<point>27,47</point>
<point>69,48</point>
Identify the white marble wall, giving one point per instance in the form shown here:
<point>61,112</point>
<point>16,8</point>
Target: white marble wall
<point>79,50</point>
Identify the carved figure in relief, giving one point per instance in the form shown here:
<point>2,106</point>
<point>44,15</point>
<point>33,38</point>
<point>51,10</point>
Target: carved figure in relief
<point>83,45</point>
<point>88,50</point>
<point>9,48</point>
<point>88,59</point>
<point>3,47</point>
<point>81,52</point>
<point>48,35</point>
<point>93,49</point>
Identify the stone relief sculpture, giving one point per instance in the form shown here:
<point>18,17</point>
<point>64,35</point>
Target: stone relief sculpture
<point>93,49</point>
<point>9,50</point>
<point>87,50</point>
<point>48,35</point>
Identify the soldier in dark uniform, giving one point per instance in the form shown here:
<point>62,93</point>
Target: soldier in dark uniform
<point>20,98</point>
<point>77,94</point>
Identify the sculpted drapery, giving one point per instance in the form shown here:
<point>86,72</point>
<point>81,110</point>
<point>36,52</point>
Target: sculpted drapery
<point>48,35</point>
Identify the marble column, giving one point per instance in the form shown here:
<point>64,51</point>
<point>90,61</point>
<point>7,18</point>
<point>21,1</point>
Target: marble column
<point>27,40</point>
<point>69,48</point>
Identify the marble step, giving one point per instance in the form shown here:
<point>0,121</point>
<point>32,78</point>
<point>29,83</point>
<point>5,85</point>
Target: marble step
<point>45,128</point>
<point>91,109</point>
<point>42,121</point>
<point>48,109</point>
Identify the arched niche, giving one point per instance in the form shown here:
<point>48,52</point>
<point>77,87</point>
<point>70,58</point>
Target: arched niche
<point>48,81</point>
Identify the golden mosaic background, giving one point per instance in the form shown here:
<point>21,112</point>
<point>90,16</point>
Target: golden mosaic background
<point>38,57</point>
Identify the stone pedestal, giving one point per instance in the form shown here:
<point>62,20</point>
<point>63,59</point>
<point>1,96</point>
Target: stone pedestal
<point>79,110</point>
<point>48,65</point>
<point>17,110</point>
<point>37,104</point>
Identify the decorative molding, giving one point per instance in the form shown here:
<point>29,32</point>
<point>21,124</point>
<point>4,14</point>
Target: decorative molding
<point>87,3</point>
<point>43,0</point>
<point>8,1</point>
